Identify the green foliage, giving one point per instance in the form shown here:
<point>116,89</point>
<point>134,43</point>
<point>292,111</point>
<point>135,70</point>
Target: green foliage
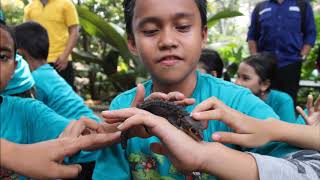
<point>13,13</point>
<point>110,34</point>
<point>310,65</point>
<point>227,13</point>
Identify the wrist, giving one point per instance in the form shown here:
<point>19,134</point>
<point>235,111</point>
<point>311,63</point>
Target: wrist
<point>9,152</point>
<point>272,128</point>
<point>209,150</point>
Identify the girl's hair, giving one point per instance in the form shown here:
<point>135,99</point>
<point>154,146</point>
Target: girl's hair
<point>129,5</point>
<point>265,66</point>
<point>212,61</point>
<point>4,27</point>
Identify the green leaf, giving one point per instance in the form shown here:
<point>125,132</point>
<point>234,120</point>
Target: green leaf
<point>222,15</point>
<point>109,33</point>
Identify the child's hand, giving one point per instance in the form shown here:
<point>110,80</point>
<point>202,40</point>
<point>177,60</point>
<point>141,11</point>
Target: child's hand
<point>313,117</point>
<point>176,97</point>
<point>140,131</point>
<point>178,146</point>
<point>102,134</point>
<point>83,126</point>
<point>249,132</point>
<point>42,160</point>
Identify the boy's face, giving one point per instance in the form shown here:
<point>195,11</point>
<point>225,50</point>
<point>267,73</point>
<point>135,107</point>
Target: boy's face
<point>7,62</point>
<point>168,38</point>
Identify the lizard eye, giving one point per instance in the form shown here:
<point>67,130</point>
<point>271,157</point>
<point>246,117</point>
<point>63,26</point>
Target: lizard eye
<point>192,130</point>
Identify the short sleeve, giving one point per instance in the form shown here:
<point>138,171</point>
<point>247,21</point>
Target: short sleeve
<point>70,14</point>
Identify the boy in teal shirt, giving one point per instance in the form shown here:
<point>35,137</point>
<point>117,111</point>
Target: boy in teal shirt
<point>168,36</point>
<point>51,89</point>
<point>282,104</point>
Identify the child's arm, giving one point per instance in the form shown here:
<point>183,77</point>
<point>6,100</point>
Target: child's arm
<point>250,132</point>
<point>184,153</point>
<point>103,134</point>
<point>45,156</point>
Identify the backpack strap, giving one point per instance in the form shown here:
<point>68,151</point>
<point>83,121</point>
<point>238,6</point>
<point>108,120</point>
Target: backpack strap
<point>302,4</point>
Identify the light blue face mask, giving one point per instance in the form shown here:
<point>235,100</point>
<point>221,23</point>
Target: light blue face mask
<point>22,79</point>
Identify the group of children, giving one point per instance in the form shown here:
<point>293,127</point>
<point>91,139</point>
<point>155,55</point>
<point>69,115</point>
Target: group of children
<point>168,37</point>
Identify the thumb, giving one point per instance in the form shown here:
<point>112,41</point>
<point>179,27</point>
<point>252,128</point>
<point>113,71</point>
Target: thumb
<point>139,98</point>
<point>66,171</point>
<point>231,138</point>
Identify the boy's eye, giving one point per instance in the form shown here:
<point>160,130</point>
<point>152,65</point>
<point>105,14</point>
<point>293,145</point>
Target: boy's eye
<point>183,28</point>
<point>246,78</point>
<point>150,32</point>
<point>4,57</point>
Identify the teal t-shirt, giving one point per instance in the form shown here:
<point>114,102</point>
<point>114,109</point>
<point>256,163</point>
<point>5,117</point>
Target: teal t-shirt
<point>57,94</point>
<point>139,162</point>
<point>28,121</point>
<point>282,105</point>
<point>22,79</point>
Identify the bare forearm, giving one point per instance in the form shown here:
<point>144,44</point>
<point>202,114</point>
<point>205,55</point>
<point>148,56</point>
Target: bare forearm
<point>252,47</point>
<point>227,163</point>
<point>298,135</point>
<point>7,151</point>
<point>72,41</point>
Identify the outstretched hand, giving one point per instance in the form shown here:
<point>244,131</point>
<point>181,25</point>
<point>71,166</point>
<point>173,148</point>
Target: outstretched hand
<point>249,132</point>
<point>175,144</point>
<point>43,160</point>
<point>313,109</point>
<point>102,134</point>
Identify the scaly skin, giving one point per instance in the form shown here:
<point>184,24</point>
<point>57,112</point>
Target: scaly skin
<point>175,114</point>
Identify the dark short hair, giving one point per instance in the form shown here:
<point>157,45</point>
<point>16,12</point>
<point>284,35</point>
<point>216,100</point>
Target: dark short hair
<point>264,64</point>
<point>33,38</point>
<point>212,61</point>
<point>8,29</point>
<point>129,5</point>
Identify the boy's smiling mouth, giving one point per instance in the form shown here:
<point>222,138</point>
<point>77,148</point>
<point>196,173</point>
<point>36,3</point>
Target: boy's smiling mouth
<point>170,60</point>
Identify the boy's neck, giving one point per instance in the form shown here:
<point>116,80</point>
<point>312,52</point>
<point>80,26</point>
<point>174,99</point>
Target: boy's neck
<point>185,87</point>
<point>34,64</point>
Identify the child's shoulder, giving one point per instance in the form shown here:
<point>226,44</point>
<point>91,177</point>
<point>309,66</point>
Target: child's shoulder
<point>217,84</point>
<point>279,95</point>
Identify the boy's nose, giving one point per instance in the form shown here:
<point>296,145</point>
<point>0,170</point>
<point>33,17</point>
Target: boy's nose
<point>167,40</point>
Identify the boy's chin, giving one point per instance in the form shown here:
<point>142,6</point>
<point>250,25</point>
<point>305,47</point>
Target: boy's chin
<point>169,80</point>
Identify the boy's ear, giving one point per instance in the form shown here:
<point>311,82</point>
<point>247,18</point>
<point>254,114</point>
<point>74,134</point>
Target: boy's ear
<point>214,73</point>
<point>132,45</point>
<point>204,36</point>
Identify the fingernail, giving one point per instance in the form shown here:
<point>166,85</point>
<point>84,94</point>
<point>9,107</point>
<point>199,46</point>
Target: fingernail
<point>216,137</point>
<point>194,114</point>
<point>119,127</point>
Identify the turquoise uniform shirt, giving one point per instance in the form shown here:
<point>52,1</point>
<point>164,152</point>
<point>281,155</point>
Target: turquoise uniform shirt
<point>57,94</point>
<point>28,121</point>
<point>282,105</point>
<point>22,79</point>
<point>139,162</point>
